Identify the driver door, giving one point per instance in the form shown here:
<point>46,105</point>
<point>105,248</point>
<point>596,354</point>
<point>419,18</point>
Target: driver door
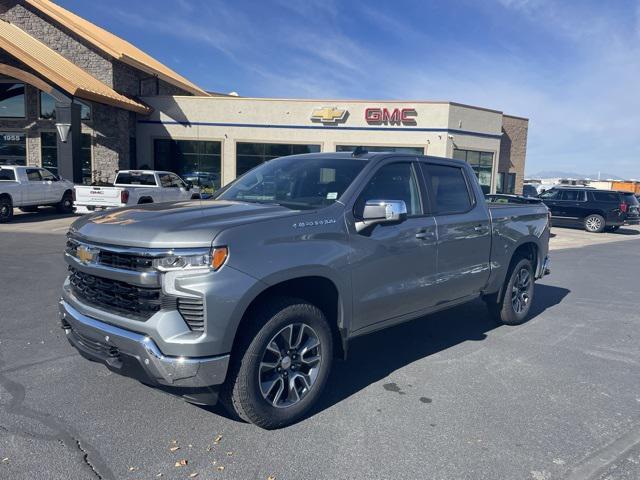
<point>393,265</point>
<point>34,187</point>
<point>51,189</point>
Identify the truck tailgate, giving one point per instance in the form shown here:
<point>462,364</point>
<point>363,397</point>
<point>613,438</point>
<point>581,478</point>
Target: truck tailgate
<point>98,196</point>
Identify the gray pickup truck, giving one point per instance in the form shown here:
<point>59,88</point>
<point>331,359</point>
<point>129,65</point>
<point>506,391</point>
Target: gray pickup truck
<point>248,298</point>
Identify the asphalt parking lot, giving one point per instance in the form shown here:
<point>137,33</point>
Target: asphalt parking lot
<point>449,396</point>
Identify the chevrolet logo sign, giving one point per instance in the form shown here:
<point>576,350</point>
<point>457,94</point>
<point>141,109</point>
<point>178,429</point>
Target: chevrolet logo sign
<point>329,115</point>
<point>86,254</point>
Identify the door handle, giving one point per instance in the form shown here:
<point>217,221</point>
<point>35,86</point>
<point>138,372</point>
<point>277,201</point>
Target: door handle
<point>479,228</point>
<point>424,235</point>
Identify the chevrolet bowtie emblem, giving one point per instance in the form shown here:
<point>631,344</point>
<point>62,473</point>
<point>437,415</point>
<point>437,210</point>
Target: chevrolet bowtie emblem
<point>329,115</point>
<point>86,254</point>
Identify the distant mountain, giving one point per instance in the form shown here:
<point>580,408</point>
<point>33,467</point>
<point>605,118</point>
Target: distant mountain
<point>561,174</point>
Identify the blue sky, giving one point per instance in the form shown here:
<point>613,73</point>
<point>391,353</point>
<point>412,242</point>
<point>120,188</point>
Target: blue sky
<point>571,67</point>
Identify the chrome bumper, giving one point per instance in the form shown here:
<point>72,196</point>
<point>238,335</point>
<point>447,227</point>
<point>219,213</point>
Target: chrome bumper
<point>116,348</point>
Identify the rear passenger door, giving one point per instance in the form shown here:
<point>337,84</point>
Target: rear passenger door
<point>573,204</point>
<point>463,229</point>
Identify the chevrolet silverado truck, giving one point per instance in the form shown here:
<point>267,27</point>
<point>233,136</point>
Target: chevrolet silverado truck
<point>28,188</point>
<point>134,187</point>
<point>248,298</point>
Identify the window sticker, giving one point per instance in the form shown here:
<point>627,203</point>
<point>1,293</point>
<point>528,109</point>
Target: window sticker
<point>332,195</point>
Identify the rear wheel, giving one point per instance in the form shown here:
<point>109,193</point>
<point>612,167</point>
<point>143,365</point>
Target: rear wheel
<point>66,204</point>
<point>594,223</point>
<point>281,365</point>
<point>515,304</point>
<point>6,210</point>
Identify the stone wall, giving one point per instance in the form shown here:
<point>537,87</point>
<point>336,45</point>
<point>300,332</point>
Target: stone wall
<point>60,39</point>
<point>513,148</point>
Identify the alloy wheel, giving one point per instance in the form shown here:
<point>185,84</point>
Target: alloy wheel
<point>290,365</point>
<point>520,295</point>
<point>594,223</point>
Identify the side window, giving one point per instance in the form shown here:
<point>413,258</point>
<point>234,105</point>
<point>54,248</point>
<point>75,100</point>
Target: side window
<point>47,175</point>
<point>165,180</point>
<point>33,175</point>
<point>176,181</point>
<point>573,195</point>
<point>448,188</point>
<point>609,197</point>
<point>395,181</point>
<point>552,194</point>
<point>6,174</point>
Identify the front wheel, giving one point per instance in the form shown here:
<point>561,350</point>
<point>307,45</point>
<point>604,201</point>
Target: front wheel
<point>281,365</point>
<point>515,304</point>
<point>6,210</point>
<point>594,223</point>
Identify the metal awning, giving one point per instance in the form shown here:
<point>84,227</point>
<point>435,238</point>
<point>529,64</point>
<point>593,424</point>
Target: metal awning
<point>60,71</point>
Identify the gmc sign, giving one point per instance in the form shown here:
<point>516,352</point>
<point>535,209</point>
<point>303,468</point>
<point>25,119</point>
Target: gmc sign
<point>385,116</point>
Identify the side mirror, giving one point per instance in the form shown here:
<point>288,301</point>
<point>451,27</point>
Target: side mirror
<point>382,211</point>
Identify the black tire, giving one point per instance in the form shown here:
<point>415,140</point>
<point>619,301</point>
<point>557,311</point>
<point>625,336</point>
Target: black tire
<point>6,210</point>
<point>31,209</point>
<point>594,223</point>
<point>505,310</point>
<point>66,204</point>
<point>242,393</point>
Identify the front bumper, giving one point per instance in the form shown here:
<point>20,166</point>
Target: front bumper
<point>136,355</point>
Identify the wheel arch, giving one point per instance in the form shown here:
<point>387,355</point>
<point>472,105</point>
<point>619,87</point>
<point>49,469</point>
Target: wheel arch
<point>318,290</point>
<point>7,196</point>
<point>528,249</point>
<point>145,199</point>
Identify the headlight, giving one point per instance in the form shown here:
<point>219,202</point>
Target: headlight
<point>209,259</point>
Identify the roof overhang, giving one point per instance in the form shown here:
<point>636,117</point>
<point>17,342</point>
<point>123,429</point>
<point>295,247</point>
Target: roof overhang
<point>60,71</point>
<point>114,46</point>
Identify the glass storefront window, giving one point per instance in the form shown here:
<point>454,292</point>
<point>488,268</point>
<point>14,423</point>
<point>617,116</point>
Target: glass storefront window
<point>49,151</point>
<point>48,107</point>
<point>49,154</point>
<point>482,164</point>
<point>249,155</point>
<point>189,158</point>
<point>378,148</point>
<point>13,148</point>
<point>12,100</point>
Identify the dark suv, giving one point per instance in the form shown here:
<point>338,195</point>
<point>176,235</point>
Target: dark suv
<point>595,210</point>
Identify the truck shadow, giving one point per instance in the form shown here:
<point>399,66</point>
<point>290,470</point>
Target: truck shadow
<point>43,214</point>
<point>374,357</point>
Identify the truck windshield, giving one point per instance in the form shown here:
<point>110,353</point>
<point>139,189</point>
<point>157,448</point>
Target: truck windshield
<point>296,183</point>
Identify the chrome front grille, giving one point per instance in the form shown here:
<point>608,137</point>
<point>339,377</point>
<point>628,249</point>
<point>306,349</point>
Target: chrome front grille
<point>112,294</point>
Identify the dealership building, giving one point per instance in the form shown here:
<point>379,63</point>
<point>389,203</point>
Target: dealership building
<point>84,103</point>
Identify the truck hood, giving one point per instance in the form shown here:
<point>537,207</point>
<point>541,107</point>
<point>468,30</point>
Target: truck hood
<point>172,225</point>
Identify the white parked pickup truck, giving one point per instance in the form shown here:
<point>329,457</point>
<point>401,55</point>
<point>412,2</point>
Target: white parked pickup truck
<point>28,188</point>
<point>133,187</point>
